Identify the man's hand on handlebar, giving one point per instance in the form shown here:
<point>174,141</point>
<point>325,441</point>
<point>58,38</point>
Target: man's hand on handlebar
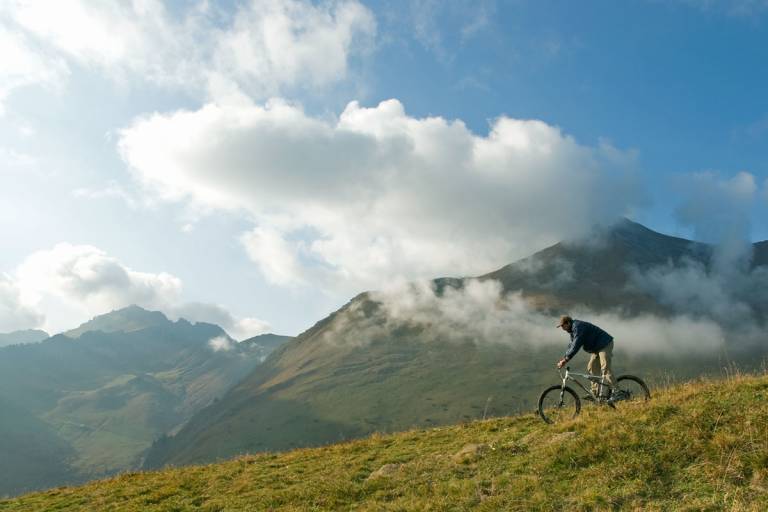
<point>561,363</point>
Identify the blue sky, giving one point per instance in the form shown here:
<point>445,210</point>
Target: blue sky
<point>210,163</point>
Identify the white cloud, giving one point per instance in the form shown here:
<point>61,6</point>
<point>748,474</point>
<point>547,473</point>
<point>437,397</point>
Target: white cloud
<point>727,288</point>
<point>731,294</point>
<point>274,43</point>
<point>85,281</point>
<point>239,328</point>
<point>221,344</point>
<point>425,27</point>
<point>111,191</point>
<point>479,19</point>
<point>481,313</point>
<point>124,39</point>
<point>377,193</point>
<point>87,275</point>
<point>21,65</point>
<point>441,27</point>
<point>13,159</point>
<point>262,46</point>
<point>14,313</point>
<point>277,257</point>
<point>720,210</point>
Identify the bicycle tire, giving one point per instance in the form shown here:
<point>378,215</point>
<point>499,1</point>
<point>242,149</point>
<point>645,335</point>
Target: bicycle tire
<point>636,391</point>
<point>551,395</point>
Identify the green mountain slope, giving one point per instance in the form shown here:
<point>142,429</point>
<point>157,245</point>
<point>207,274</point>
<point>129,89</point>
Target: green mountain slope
<point>698,446</point>
<point>17,337</point>
<point>361,370</point>
<point>34,456</point>
<point>106,395</point>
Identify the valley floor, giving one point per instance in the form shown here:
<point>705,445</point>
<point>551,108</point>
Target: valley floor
<point>702,445</point>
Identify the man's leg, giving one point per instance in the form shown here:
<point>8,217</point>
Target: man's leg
<point>592,368</point>
<point>605,364</point>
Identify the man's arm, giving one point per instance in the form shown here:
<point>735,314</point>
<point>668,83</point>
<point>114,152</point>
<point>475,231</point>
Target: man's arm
<point>575,346</point>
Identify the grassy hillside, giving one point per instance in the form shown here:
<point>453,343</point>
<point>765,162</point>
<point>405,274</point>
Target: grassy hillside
<point>698,446</point>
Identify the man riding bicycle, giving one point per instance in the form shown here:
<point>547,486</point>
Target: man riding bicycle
<point>593,340</point>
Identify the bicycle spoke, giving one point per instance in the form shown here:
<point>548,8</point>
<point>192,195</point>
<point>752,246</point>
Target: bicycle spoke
<point>557,406</point>
<point>630,390</point>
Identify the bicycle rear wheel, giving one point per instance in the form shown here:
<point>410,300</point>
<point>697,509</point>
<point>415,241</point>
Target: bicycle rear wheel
<point>558,403</point>
<point>631,389</point>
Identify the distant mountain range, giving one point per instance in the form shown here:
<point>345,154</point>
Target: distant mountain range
<point>21,337</point>
<point>89,402</point>
<point>372,366</point>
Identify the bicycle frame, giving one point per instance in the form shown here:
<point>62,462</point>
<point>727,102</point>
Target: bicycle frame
<point>599,379</point>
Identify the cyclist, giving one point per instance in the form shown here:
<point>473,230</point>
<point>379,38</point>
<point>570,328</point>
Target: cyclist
<point>593,340</point>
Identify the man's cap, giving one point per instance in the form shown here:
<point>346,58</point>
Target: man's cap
<point>565,319</point>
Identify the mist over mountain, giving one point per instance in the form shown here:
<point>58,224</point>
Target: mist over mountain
<point>452,349</point>
<point>264,344</point>
<point>89,402</point>
<point>20,337</point>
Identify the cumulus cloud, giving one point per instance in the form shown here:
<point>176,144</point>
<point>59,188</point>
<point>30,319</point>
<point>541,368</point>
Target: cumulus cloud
<point>14,313</point>
<point>481,312</point>
<point>88,281</point>
<point>377,193</point>
<point>90,276</point>
<point>260,47</point>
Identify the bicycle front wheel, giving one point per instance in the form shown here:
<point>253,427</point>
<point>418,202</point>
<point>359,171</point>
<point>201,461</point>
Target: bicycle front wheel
<point>631,389</point>
<point>558,403</point>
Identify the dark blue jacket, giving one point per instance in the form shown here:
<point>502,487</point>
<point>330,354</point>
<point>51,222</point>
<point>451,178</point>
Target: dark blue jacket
<point>587,336</point>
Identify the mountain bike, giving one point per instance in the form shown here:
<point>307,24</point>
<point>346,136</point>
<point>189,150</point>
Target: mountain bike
<point>560,402</point>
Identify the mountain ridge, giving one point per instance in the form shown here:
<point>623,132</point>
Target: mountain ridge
<point>129,318</point>
<point>23,336</point>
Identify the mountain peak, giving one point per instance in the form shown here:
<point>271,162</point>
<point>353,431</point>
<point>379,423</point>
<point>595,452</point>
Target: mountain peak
<point>630,231</point>
<point>130,318</point>
<point>21,337</point>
